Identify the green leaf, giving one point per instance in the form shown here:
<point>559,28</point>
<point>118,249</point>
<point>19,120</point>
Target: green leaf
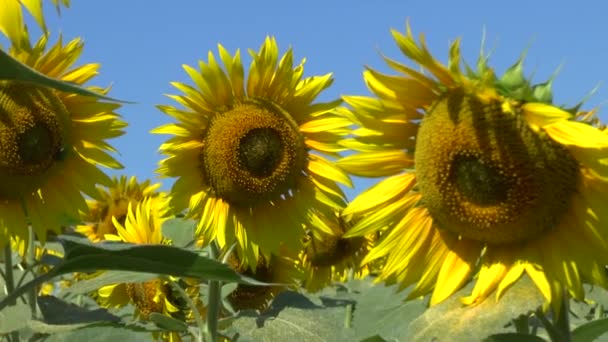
<point>57,311</point>
<point>167,323</point>
<point>590,331</point>
<point>14,317</point>
<point>513,337</point>
<point>101,334</point>
<point>381,309</point>
<point>375,338</point>
<point>453,321</point>
<point>85,256</point>
<point>107,278</point>
<point>13,70</point>
<point>179,231</point>
<point>294,317</point>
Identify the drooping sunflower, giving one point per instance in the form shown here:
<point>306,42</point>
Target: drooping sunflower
<point>51,142</point>
<point>486,177</point>
<point>279,269</point>
<point>242,150</point>
<point>114,204</point>
<point>327,256</point>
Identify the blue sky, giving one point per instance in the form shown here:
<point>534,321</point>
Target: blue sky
<point>142,45</point>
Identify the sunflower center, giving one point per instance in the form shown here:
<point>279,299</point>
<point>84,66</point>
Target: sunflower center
<point>143,295</point>
<point>484,174</point>
<point>260,151</point>
<point>252,153</point>
<point>250,296</point>
<point>481,183</point>
<point>332,251</point>
<point>33,125</point>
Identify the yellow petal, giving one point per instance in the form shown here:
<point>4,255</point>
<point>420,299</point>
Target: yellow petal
<point>376,164</point>
<point>541,114</point>
<point>577,134</point>
<point>456,269</point>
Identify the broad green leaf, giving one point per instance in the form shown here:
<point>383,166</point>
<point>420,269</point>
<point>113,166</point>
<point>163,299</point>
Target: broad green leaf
<point>167,323</point>
<point>590,331</point>
<point>57,311</point>
<point>375,338</point>
<point>294,317</point>
<point>107,278</point>
<point>101,334</point>
<point>513,337</point>
<point>180,231</point>
<point>13,70</point>
<point>382,310</point>
<point>452,321</point>
<point>82,255</point>
<point>14,317</point>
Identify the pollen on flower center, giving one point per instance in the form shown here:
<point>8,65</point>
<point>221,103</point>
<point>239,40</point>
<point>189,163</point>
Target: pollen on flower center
<point>33,128</point>
<point>260,151</point>
<point>485,175</point>
<point>144,296</point>
<point>252,153</point>
<point>480,182</point>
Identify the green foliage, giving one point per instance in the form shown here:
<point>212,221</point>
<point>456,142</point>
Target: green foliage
<point>81,255</point>
<point>590,331</point>
<point>13,70</point>
<point>14,317</point>
<point>513,337</point>
<point>180,232</point>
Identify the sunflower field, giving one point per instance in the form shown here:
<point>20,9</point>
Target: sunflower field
<point>486,218</point>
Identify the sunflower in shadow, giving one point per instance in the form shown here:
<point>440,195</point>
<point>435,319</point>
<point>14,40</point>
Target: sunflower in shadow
<point>243,148</point>
<point>327,256</point>
<point>486,177</point>
<point>51,142</point>
<point>114,203</point>
<point>278,270</point>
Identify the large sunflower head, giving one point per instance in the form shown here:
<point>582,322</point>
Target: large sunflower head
<point>486,175</point>
<point>51,142</point>
<point>243,148</point>
<point>327,256</point>
<point>114,203</point>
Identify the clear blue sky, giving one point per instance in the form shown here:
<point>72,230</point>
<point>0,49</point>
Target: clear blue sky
<point>142,44</point>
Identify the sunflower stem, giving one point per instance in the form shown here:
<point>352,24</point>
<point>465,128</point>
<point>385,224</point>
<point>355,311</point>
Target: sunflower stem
<point>348,318</point>
<point>30,259</point>
<point>214,298</point>
<point>562,319</point>
<point>197,315</point>
<point>521,324</point>
<point>9,280</point>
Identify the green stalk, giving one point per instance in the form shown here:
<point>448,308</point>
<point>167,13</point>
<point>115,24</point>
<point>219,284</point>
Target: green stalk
<point>197,315</point>
<point>30,259</point>
<point>522,324</point>
<point>214,298</point>
<point>562,321</point>
<point>10,282</point>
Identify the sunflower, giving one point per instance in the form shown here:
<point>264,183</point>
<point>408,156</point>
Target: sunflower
<point>242,151</point>
<point>114,203</point>
<point>486,177</point>
<point>327,256</point>
<point>50,141</point>
<point>275,270</point>
<point>143,226</point>
<point>34,7</point>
